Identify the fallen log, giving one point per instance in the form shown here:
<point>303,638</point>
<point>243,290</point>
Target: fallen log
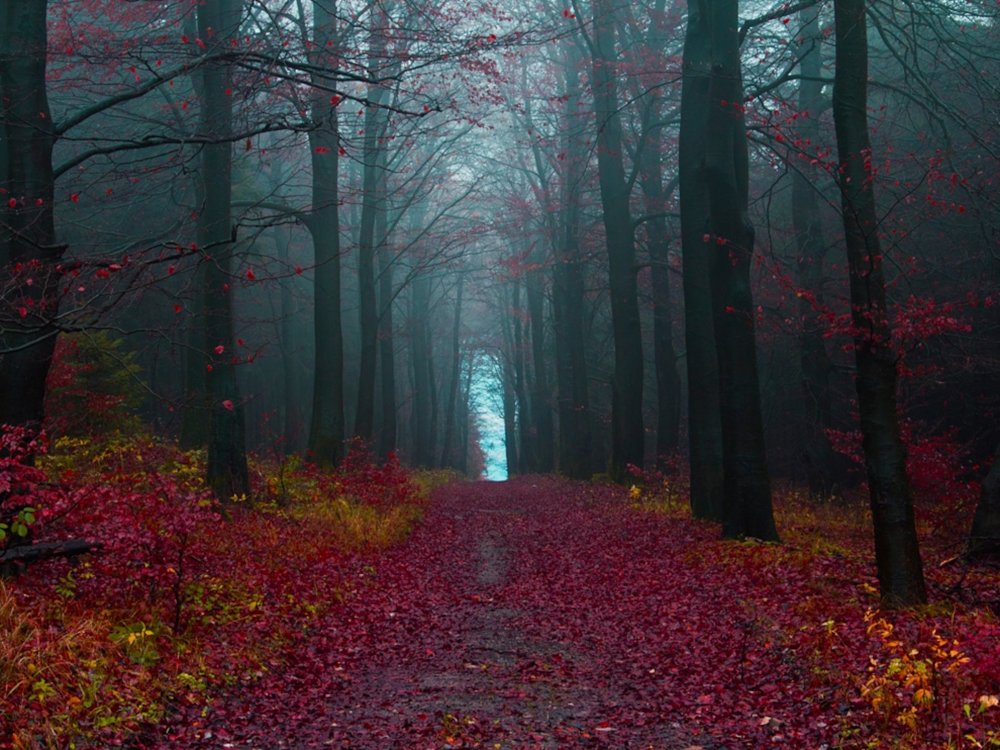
<point>13,558</point>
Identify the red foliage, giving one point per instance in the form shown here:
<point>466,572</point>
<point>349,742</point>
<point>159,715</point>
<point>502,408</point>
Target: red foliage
<point>539,613</point>
<point>196,600</point>
<point>383,485</point>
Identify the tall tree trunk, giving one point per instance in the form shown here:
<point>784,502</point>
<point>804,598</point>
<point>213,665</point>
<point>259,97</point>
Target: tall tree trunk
<point>387,343</point>
<point>432,390</point>
<point>364,418</point>
<point>668,382</point>
<point>464,416</point>
<point>817,453</point>
<point>900,570</point>
<point>540,405</point>
<point>526,443</point>
<point>421,359</point>
<point>28,250</point>
<point>747,501</point>
<point>704,417</point>
<point>227,463</point>
<point>454,376</point>
<point>627,440</point>
<point>194,418</point>
<point>327,426</point>
<point>292,422</point>
<point>984,539</point>
<point>506,369</point>
<point>568,302</point>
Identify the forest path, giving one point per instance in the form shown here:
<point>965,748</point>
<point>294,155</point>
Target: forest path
<point>510,619</point>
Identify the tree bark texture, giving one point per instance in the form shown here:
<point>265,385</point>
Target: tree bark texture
<point>900,570</point>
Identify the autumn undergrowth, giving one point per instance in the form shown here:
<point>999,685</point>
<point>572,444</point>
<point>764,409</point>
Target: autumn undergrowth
<point>186,596</point>
<point>867,677</point>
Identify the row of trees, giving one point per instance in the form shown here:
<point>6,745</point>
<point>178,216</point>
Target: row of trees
<point>678,161</point>
<point>355,201</point>
<point>188,139</point>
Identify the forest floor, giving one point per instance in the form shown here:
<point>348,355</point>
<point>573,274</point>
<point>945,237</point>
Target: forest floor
<point>540,613</point>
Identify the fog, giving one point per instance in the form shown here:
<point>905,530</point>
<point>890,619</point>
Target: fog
<point>488,238</point>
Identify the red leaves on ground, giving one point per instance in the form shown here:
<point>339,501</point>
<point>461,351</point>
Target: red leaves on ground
<point>539,613</point>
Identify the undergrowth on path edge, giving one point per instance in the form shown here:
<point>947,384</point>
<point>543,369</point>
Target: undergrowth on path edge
<point>922,678</point>
<point>181,601</point>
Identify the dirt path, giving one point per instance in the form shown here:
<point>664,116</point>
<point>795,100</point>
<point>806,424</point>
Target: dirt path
<point>480,631</point>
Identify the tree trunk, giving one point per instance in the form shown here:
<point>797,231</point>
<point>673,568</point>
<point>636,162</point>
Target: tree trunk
<point>628,438</point>
<point>386,336</point>
<point>364,418</point>
<point>747,499</point>
<point>900,570</point>
<point>465,414</point>
<point>292,422</point>
<point>984,539</point>
<point>668,382</point>
<point>526,443</point>
<point>421,360</point>
<point>454,377</point>
<point>818,456</point>
<point>327,426</point>
<point>704,417</point>
<point>509,415</point>
<point>541,408</point>
<point>227,463</point>
<point>28,250</point>
<point>568,301</point>
<point>194,419</point>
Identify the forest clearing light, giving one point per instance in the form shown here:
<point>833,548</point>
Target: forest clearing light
<point>487,405</point>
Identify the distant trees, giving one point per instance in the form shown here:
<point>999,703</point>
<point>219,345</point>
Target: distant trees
<point>373,206</point>
<point>251,68</point>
